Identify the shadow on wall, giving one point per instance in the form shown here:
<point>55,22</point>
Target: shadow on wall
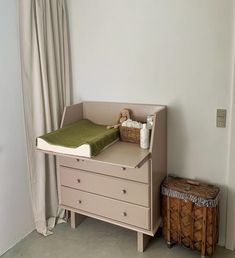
<point>177,148</point>
<point>176,139</point>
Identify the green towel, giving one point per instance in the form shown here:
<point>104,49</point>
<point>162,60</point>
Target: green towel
<point>82,132</point>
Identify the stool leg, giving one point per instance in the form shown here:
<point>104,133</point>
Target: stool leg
<point>204,229</point>
<point>169,244</point>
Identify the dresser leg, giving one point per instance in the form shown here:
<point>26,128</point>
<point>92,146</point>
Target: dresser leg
<point>76,219</point>
<point>142,241</point>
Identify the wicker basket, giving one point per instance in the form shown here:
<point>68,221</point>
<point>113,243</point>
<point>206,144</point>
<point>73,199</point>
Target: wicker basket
<point>129,134</point>
<point>190,214</point>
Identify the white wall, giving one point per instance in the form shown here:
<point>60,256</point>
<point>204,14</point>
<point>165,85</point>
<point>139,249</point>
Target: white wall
<point>16,219</point>
<point>230,233</point>
<point>177,53</point>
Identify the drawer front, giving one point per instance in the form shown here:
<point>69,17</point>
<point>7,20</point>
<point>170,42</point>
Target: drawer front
<point>137,174</point>
<point>120,211</point>
<point>125,190</point>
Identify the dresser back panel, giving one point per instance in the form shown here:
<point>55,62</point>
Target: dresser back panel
<point>108,112</point>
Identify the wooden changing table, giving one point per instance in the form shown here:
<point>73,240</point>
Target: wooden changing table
<point>121,185</point>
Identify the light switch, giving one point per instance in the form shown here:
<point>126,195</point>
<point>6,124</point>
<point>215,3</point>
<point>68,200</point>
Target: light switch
<point>221,118</point>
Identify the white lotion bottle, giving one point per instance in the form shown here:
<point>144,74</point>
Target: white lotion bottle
<point>144,137</point>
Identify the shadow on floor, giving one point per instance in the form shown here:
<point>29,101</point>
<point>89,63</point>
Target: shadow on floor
<point>97,239</point>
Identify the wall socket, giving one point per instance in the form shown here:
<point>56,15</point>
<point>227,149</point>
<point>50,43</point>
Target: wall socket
<point>221,118</point>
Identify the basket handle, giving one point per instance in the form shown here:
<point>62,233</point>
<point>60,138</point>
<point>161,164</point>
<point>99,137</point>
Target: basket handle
<point>192,182</point>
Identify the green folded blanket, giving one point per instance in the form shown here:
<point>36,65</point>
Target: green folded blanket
<point>82,132</point>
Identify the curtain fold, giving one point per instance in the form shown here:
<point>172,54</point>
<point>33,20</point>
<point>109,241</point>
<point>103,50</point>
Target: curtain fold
<point>45,62</point>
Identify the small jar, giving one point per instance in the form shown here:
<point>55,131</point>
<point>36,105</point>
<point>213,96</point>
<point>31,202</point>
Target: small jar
<point>150,121</point>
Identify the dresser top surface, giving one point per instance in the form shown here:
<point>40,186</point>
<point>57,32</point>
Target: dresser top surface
<point>123,154</point>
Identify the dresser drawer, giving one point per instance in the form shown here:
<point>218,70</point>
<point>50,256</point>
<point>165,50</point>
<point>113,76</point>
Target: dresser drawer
<point>120,211</point>
<point>137,174</point>
<point>125,190</point>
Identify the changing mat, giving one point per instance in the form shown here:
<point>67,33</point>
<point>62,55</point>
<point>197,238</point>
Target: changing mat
<point>82,138</point>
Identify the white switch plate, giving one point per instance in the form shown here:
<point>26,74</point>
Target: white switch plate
<point>221,118</point>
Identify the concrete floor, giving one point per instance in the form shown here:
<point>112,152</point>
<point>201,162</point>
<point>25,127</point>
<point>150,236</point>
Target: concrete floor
<point>96,239</point>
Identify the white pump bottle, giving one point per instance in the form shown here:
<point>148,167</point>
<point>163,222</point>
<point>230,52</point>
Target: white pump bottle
<point>144,137</point>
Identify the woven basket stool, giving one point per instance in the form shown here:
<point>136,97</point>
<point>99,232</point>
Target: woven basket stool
<point>190,214</point>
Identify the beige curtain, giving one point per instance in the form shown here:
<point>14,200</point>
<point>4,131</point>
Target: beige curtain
<point>46,91</point>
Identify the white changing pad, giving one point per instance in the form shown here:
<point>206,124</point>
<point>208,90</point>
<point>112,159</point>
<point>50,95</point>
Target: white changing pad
<point>82,138</point>
<point>83,150</point>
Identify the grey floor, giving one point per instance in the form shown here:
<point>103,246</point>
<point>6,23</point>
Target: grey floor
<point>96,239</point>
